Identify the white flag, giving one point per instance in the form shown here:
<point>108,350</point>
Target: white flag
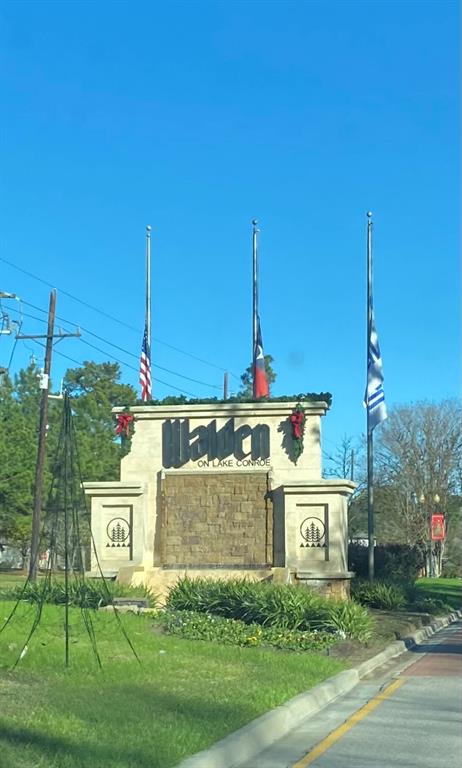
<point>375,397</point>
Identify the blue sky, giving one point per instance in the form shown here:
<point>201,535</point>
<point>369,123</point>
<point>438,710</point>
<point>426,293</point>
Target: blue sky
<point>196,117</point>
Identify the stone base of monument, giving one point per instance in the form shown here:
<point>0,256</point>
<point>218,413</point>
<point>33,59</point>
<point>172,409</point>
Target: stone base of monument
<point>160,580</point>
<point>336,585</point>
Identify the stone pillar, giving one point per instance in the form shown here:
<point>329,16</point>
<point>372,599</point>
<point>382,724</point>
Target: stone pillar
<point>118,525</point>
<point>311,533</point>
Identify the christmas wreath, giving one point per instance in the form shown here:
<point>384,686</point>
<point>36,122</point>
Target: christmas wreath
<point>297,420</point>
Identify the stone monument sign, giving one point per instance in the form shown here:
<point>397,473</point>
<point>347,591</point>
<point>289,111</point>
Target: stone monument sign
<point>223,490</point>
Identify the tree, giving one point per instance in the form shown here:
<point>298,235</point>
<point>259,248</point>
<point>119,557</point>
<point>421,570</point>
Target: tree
<point>27,392</point>
<point>418,452</point>
<point>18,451</point>
<point>347,461</point>
<point>246,390</point>
<point>95,389</point>
<point>344,460</point>
<point>417,456</point>
<point>19,535</point>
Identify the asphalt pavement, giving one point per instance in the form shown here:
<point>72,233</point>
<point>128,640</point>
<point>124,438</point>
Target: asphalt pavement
<point>404,714</point>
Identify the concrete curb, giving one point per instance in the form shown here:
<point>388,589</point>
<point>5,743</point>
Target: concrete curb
<point>259,734</point>
<point>430,629</point>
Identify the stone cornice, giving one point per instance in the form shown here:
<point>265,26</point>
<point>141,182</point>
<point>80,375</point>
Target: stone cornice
<point>333,485</point>
<point>213,410</point>
<point>304,575</point>
<point>114,488</point>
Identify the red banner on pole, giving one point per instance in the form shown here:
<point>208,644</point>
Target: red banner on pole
<point>438,528</point>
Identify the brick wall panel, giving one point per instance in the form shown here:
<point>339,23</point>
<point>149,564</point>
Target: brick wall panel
<point>219,519</point>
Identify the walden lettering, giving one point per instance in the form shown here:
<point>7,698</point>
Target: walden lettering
<point>180,444</point>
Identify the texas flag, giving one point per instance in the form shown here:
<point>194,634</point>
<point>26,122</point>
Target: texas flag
<point>260,380</point>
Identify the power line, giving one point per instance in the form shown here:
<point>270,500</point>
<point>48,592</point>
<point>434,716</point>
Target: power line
<point>104,352</point>
<point>153,365</point>
<point>110,317</point>
<point>66,293</point>
<point>61,354</point>
<point>32,317</point>
<point>116,346</point>
<point>127,365</point>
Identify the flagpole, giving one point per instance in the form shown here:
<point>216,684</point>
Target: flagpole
<point>255,296</point>
<point>370,446</point>
<point>148,285</point>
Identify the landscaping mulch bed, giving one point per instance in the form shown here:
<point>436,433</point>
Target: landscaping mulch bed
<point>389,626</point>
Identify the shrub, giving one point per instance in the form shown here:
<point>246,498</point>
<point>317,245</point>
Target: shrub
<point>280,606</point>
<point>350,620</point>
<point>85,593</point>
<point>393,596</point>
<point>397,562</point>
<point>429,605</point>
<point>379,594</point>
<point>260,602</point>
<point>451,570</point>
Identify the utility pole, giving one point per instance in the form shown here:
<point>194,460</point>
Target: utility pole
<point>43,424</point>
<point>38,487</point>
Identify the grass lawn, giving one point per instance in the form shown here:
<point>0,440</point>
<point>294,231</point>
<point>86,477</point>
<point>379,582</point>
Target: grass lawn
<point>183,697</point>
<point>11,579</point>
<point>449,590</point>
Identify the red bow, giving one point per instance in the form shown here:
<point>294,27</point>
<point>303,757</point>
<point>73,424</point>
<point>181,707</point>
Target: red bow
<point>297,420</point>
<point>123,424</point>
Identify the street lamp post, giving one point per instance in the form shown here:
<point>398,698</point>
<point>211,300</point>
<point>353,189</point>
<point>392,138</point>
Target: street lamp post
<point>436,500</point>
<point>428,515</point>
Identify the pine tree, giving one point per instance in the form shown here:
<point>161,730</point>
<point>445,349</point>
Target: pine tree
<point>95,389</point>
<point>18,450</point>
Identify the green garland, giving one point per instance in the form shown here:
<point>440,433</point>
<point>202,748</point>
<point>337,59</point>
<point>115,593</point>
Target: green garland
<point>307,397</point>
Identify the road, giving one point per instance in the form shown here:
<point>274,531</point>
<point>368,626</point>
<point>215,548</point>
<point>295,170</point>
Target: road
<point>406,714</point>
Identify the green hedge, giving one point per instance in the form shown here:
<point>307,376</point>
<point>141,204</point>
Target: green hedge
<point>393,562</point>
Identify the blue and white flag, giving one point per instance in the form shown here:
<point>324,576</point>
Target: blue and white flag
<point>374,399</point>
